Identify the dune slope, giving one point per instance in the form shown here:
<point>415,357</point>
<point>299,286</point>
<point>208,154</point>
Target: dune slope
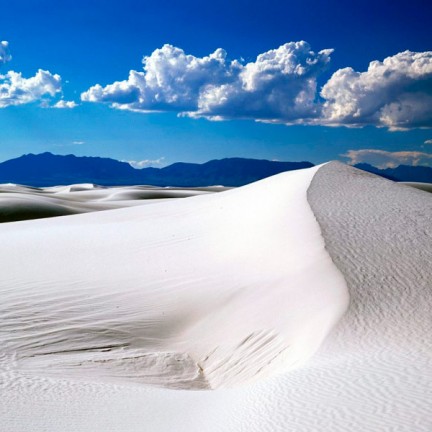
<point>200,293</point>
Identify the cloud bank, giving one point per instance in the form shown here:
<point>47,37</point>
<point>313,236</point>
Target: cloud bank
<point>280,86</point>
<point>385,159</point>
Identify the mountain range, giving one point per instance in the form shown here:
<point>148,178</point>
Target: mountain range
<point>47,169</point>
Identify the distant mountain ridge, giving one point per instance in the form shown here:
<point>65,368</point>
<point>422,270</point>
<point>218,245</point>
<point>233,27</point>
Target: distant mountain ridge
<point>47,169</point>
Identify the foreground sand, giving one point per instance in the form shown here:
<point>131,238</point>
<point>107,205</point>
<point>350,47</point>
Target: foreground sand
<point>221,291</point>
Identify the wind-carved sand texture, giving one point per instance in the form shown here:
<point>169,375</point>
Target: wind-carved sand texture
<point>379,234</point>
<point>237,290</point>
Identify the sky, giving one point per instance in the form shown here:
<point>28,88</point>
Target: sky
<point>154,83</point>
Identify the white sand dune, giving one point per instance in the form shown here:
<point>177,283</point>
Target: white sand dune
<point>304,299</point>
<point>18,203</point>
<point>427,187</point>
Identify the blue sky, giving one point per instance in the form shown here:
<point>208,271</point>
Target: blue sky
<point>296,102</point>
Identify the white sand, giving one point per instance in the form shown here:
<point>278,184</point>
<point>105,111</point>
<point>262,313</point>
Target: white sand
<point>379,234</point>
<point>427,187</point>
<point>18,203</point>
<point>218,291</point>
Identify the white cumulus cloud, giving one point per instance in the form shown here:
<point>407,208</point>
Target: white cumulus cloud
<point>171,81</point>
<point>62,104</point>
<point>280,85</point>
<point>4,52</point>
<point>17,90</point>
<point>395,93</point>
<point>385,159</point>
